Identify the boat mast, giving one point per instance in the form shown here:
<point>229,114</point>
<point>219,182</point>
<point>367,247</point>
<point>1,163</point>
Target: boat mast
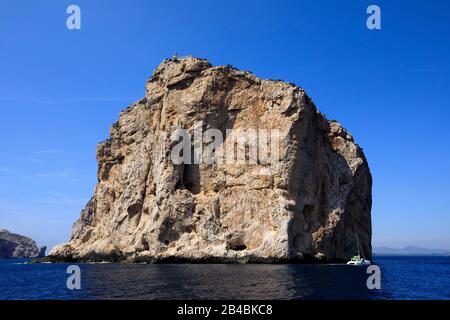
<point>359,246</point>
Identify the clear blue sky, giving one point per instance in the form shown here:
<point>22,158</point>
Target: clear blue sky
<point>61,90</point>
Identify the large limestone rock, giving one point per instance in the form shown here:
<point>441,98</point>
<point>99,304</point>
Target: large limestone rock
<point>307,207</point>
<point>14,246</point>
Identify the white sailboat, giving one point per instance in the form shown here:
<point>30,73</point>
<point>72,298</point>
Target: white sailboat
<point>357,260</point>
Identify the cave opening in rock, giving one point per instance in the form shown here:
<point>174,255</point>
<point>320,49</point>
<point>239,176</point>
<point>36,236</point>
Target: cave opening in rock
<point>191,177</point>
<point>168,233</point>
<point>238,247</point>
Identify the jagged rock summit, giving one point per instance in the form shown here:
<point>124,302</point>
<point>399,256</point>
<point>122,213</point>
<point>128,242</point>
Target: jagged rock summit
<point>145,207</point>
<point>14,246</point>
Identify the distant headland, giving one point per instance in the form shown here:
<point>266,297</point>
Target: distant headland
<point>15,246</point>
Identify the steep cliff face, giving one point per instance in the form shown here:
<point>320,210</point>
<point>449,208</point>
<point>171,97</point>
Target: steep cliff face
<point>308,204</point>
<point>14,246</point>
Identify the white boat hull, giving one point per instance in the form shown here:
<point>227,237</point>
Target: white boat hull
<point>362,262</point>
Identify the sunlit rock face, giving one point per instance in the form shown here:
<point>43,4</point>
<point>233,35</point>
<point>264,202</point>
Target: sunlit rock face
<point>307,205</point>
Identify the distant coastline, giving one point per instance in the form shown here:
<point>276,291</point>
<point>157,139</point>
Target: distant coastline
<point>378,254</point>
<point>410,251</point>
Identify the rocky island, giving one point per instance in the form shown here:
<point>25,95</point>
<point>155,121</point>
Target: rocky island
<point>14,246</point>
<point>146,208</point>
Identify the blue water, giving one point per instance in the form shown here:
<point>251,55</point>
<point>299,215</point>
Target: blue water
<point>401,278</point>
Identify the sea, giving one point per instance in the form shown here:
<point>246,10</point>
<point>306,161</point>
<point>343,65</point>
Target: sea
<point>401,278</point>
